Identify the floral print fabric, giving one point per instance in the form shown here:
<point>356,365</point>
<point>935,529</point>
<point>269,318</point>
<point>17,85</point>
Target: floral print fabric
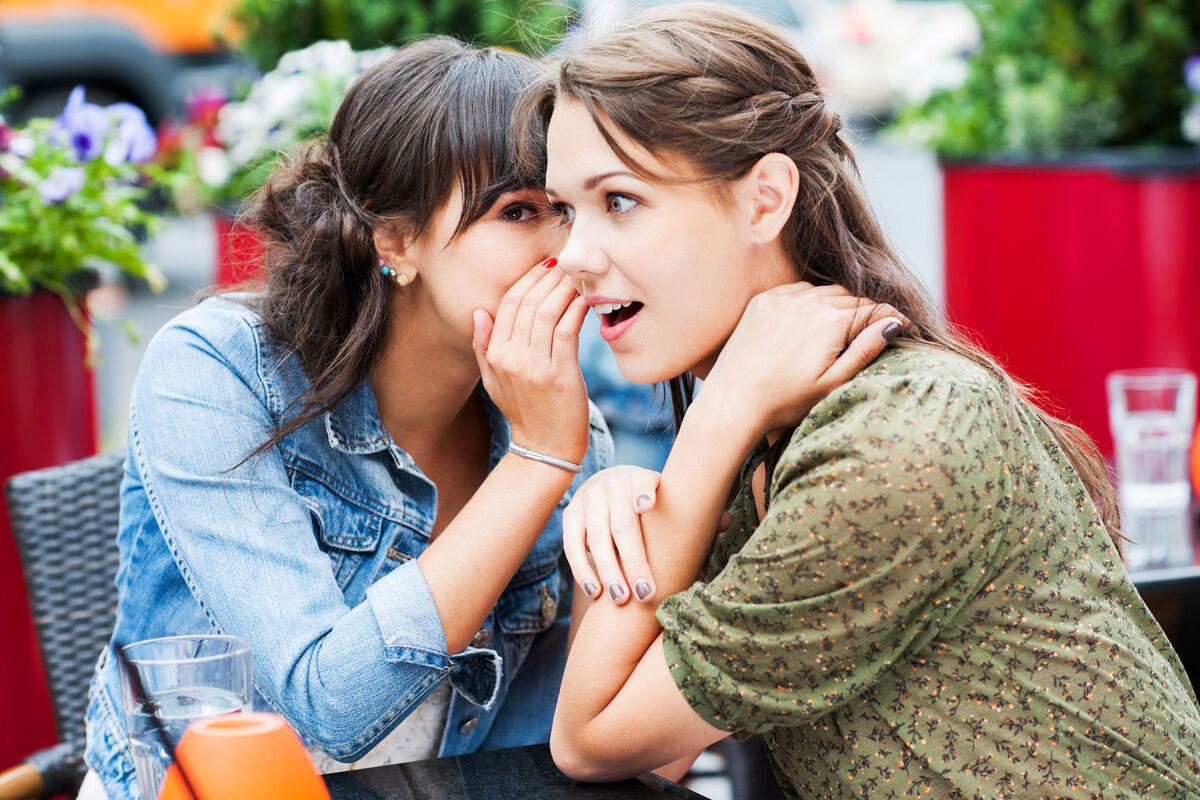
<point>932,608</point>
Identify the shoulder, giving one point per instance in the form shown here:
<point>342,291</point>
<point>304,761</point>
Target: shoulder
<point>220,336</point>
<point>907,388</point>
<point>916,410</point>
<point>225,322</point>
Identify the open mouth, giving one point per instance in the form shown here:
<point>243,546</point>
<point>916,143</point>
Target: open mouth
<point>613,314</point>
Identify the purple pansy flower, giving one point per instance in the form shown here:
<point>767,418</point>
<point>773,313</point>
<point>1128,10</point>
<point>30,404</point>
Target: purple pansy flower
<point>6,136</point>
<point>133,140</point>
<point>82,125</point>
<point>61,184</point>
<point>1191,72</point>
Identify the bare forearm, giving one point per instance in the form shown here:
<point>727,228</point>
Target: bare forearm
<point>470,562</point>
<point>679,531</point>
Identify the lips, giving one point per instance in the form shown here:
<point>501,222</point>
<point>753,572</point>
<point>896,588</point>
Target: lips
<point>616,316</point>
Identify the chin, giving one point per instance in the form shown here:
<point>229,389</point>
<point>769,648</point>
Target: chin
<point>647,370</point>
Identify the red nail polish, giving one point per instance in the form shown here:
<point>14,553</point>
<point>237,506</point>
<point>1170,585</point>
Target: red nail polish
<point>550,263</point>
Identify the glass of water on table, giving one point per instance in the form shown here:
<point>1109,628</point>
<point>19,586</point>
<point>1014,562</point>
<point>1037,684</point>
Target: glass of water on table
<point>1153,415</point>
<point>183,678</point>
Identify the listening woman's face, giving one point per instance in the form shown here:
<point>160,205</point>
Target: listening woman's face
<point>664,265</point>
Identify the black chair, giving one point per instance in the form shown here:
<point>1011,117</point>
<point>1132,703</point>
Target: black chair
<point>64,521</point>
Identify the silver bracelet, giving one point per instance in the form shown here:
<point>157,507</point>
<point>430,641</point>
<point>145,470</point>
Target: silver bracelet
<point>533,455</point>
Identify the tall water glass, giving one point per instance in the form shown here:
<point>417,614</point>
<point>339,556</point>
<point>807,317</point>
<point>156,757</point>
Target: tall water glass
<point>1153,414</point>
<point>184,678</point>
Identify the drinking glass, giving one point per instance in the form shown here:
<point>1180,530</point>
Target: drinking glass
<point>184,678</point>
<point>1153,414</point>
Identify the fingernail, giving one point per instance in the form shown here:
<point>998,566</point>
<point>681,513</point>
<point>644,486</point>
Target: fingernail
<point>590,588</point>
<point>891,331</point>
<point>643,589</point>
<point>617,591</point>
<point>550,263</point>
<point>642,502</point>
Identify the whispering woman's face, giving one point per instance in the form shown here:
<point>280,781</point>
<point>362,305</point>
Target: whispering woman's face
<point>666,266</point>
<point>472,269</point>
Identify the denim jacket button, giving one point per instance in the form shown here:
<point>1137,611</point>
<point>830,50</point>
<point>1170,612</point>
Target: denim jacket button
<point>482,639</point>
<point>469,725</point>
<point>549,606</point>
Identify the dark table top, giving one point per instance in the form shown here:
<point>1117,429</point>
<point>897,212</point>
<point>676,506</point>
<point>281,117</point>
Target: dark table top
<point>521,773</point>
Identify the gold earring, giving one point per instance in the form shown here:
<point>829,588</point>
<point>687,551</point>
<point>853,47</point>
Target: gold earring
<point>402,280</point>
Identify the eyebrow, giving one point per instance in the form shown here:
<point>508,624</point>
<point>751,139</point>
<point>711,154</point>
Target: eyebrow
<point>594,181</point>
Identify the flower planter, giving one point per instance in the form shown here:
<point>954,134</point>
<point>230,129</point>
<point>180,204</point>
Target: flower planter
<point>48,413</point>
<point>1068,269</point>
<point>239,250</point>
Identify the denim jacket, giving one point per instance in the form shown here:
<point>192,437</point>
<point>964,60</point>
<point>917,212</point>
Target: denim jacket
<point>311,553</point>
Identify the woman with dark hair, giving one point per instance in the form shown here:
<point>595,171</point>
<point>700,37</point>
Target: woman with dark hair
<point>361,469</point>
<point>919,591</point>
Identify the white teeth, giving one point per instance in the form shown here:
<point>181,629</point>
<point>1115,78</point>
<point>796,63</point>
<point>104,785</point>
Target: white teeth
<point>608,308</point>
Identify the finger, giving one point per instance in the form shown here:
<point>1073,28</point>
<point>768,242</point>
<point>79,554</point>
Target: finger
<point>483,330</point>
<point>644,485</point>
<point>598,524</point>
<point>864,314</point>
<point>627,534</point>
<point>507,312</point>
<point>862,351</point>
<point>575,548</point>
<point>726,521</point>
<point>565,350</point>
<point>481,338</point>
<point>541,337</point>
<point>527,309</point>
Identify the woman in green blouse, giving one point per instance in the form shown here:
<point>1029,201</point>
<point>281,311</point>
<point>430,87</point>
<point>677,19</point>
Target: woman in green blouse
<point>919,592</point>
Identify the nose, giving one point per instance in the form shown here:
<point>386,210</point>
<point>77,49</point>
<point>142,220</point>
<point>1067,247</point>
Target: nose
<point>582,258</point>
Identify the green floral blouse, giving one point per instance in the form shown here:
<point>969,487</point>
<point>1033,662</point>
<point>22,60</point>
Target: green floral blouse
<point>932,608</point>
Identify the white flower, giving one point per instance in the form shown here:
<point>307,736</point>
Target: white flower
<point>212,164</point>
<point>298,96</point>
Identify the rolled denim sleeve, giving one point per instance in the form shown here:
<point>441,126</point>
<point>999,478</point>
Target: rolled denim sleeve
<point>243,542</point>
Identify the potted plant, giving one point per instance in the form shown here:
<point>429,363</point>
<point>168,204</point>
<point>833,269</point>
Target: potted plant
<point>70,189</point>
<point>1071,193</point>
<point>225,150</point>
<point>271,28</point>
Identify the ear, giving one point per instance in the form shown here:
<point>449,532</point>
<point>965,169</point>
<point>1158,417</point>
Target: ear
<point>394,252</point>
<point>767,193</point>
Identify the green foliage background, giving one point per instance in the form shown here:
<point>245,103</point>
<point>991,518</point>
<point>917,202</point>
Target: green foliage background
<point>274,27</point>
<point>1053,75</point>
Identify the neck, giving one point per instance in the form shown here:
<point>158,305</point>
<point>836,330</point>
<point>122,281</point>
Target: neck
<point>766,267</point>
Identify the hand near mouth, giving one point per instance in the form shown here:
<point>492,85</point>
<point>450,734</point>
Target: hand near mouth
<point>529,360</point>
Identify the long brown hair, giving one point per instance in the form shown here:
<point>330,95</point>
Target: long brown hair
<point>435,115</point>
<point>723,88</point>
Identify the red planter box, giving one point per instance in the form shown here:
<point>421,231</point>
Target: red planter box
<point>47,417</point>
<point>239,251</point>
<point>1066,271</point>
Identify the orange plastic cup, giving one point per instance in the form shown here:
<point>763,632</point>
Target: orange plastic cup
<point>252,756</point>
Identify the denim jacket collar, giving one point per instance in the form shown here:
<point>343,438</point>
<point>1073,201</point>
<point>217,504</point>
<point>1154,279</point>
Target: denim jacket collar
<point>353,425</point>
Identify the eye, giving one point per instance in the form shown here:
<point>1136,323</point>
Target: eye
<point>519,212</point>
<point>619,203</point>
<point>564,212</point>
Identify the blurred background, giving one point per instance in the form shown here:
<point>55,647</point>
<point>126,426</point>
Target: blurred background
<point>1035,161</point>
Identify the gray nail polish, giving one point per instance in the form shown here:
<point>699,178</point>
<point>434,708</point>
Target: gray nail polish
<point>590,588</point>
<point>617,591</point>
<point>643,589</point>
<point>641,502</point>
<point>892,331</point>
